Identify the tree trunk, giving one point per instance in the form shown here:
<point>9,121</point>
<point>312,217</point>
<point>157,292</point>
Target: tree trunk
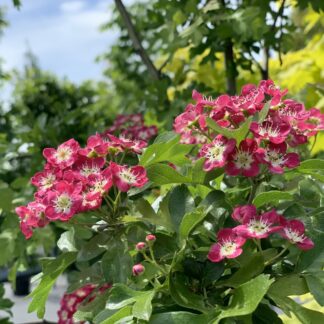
<point>230,68</point>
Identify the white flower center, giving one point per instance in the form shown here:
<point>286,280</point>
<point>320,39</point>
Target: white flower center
<point>63,203</point>
<point>228,248</point>
<point>86,170</point>
<point>127,176</point>
<point>258,227</point>
<point>63,154</point>
<point>48,181</point>
<point>215,153</point>
<point>293,236</point>
<point>99,186</point>
<point>275,158</point>
<point>243,160</point>
<point>269,130</point>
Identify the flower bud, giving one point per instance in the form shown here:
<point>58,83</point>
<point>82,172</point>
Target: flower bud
<point>140,246</point>
<point>150,238</point>
<point>138,269</point>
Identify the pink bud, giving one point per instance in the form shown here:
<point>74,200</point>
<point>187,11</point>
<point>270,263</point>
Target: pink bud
<point>140,246</point>
<point>150,238</point>
<point>138,269</point>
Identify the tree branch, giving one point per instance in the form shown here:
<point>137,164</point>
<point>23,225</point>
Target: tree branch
<point>135,38</point>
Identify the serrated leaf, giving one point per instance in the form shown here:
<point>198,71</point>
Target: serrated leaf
<point>142,308</point>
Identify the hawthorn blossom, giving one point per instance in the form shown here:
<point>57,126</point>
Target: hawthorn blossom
<point>241,213</point>
<point>275,156</point>
<point>229,245</point>
<point>294,231</point>
<point>243,160</point>
<point>258,226</point>
<point>90,200</point>
<point>96,146</point>
<point>63,201</point>
<point>101,182</point>
<point>85,167</point>
<point>138,269</point>
<point>45,179</point>
<point>125,177</point>
<point>216,152</point>
<point>275,132</point>
<point>314,123</point>
<point>64,156</point>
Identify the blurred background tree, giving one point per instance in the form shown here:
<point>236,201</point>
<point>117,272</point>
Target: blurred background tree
<point>214,46</point>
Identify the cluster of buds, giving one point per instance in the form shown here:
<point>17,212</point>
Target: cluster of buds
<point>70,302</point>
<point>256,226</point>
<point>132,126</point>
<point>76,179</point>
<point>285,125</point>
<point>138,269</point>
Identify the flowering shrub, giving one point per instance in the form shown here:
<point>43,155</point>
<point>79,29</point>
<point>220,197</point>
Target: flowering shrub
<point>205,224</point>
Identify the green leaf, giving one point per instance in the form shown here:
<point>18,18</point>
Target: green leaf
<point>181,294</point>
<point>162,174</point>
<point>178,318</point>
<point>121,295</point>
<point>239,134</point>
<point>52,269</point>
<point>305,315</point>
<point>180,203</point>
<point>189,222</point>
<point>145,208</point>
<point>203,177</point>
<point>166,148</point>
<point>94,247</point>
<point>252,268</point>
<point>116,262</point>
<point>142,308</point>
<point>247,297</point>
<point>312,164</point>
<point>264,112</point>
<point>66,242</point>
<point>315,283</point>
<point>110,316</point>
<point>289,285</point>
<point>273,196</point>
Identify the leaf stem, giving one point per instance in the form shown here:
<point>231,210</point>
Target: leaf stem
<point>278,255</point>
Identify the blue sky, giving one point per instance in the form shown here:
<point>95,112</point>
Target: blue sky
<point>64,35</point>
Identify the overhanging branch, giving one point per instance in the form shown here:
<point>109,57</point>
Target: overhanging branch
<point>135,38</point>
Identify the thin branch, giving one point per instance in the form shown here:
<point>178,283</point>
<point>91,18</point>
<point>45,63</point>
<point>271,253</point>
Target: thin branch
<point>135,38</point>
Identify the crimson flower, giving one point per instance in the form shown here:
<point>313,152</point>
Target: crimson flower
<point>243,160</point>
<point>229,245</point>
<point>63,201</point>
<point>294,231</point>
<point>258,226</point>
<point>125,177</point>
<point>241,213</point>
<point>64,156</point>
<point>275,156</point>
<point>216,152</point>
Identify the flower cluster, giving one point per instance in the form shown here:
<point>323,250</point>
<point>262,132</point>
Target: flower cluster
<point>132,126</point>
<point>70,302</point>
<point>256,226</point>
<point>77,179</point>
<point>285,124</point>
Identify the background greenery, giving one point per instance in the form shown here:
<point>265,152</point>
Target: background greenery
<point>164,50</point>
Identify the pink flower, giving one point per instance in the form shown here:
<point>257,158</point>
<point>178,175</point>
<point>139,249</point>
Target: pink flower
<point>216,152</point>
<point>96,146</point>
<point>241,213</point>
<point>243,160</point>
<point>90,200</point>
<point>126,177</point>
<point>31,216</point>
<point>138,269</point>
<point>258,226</point>
<point>314,123</point>
<point>64,156</point>
<point>63,201</point>
<point>228,246</point>
<point>275,156</point>
<point>46,179</point>
<point>272,90</point>
<point>85,167</point>
<point>291,111</point>
<point>123,143</point>
<point>294,231</point>
<point>296,138</point>
<point>101,182</point>
<point>273,131</point>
